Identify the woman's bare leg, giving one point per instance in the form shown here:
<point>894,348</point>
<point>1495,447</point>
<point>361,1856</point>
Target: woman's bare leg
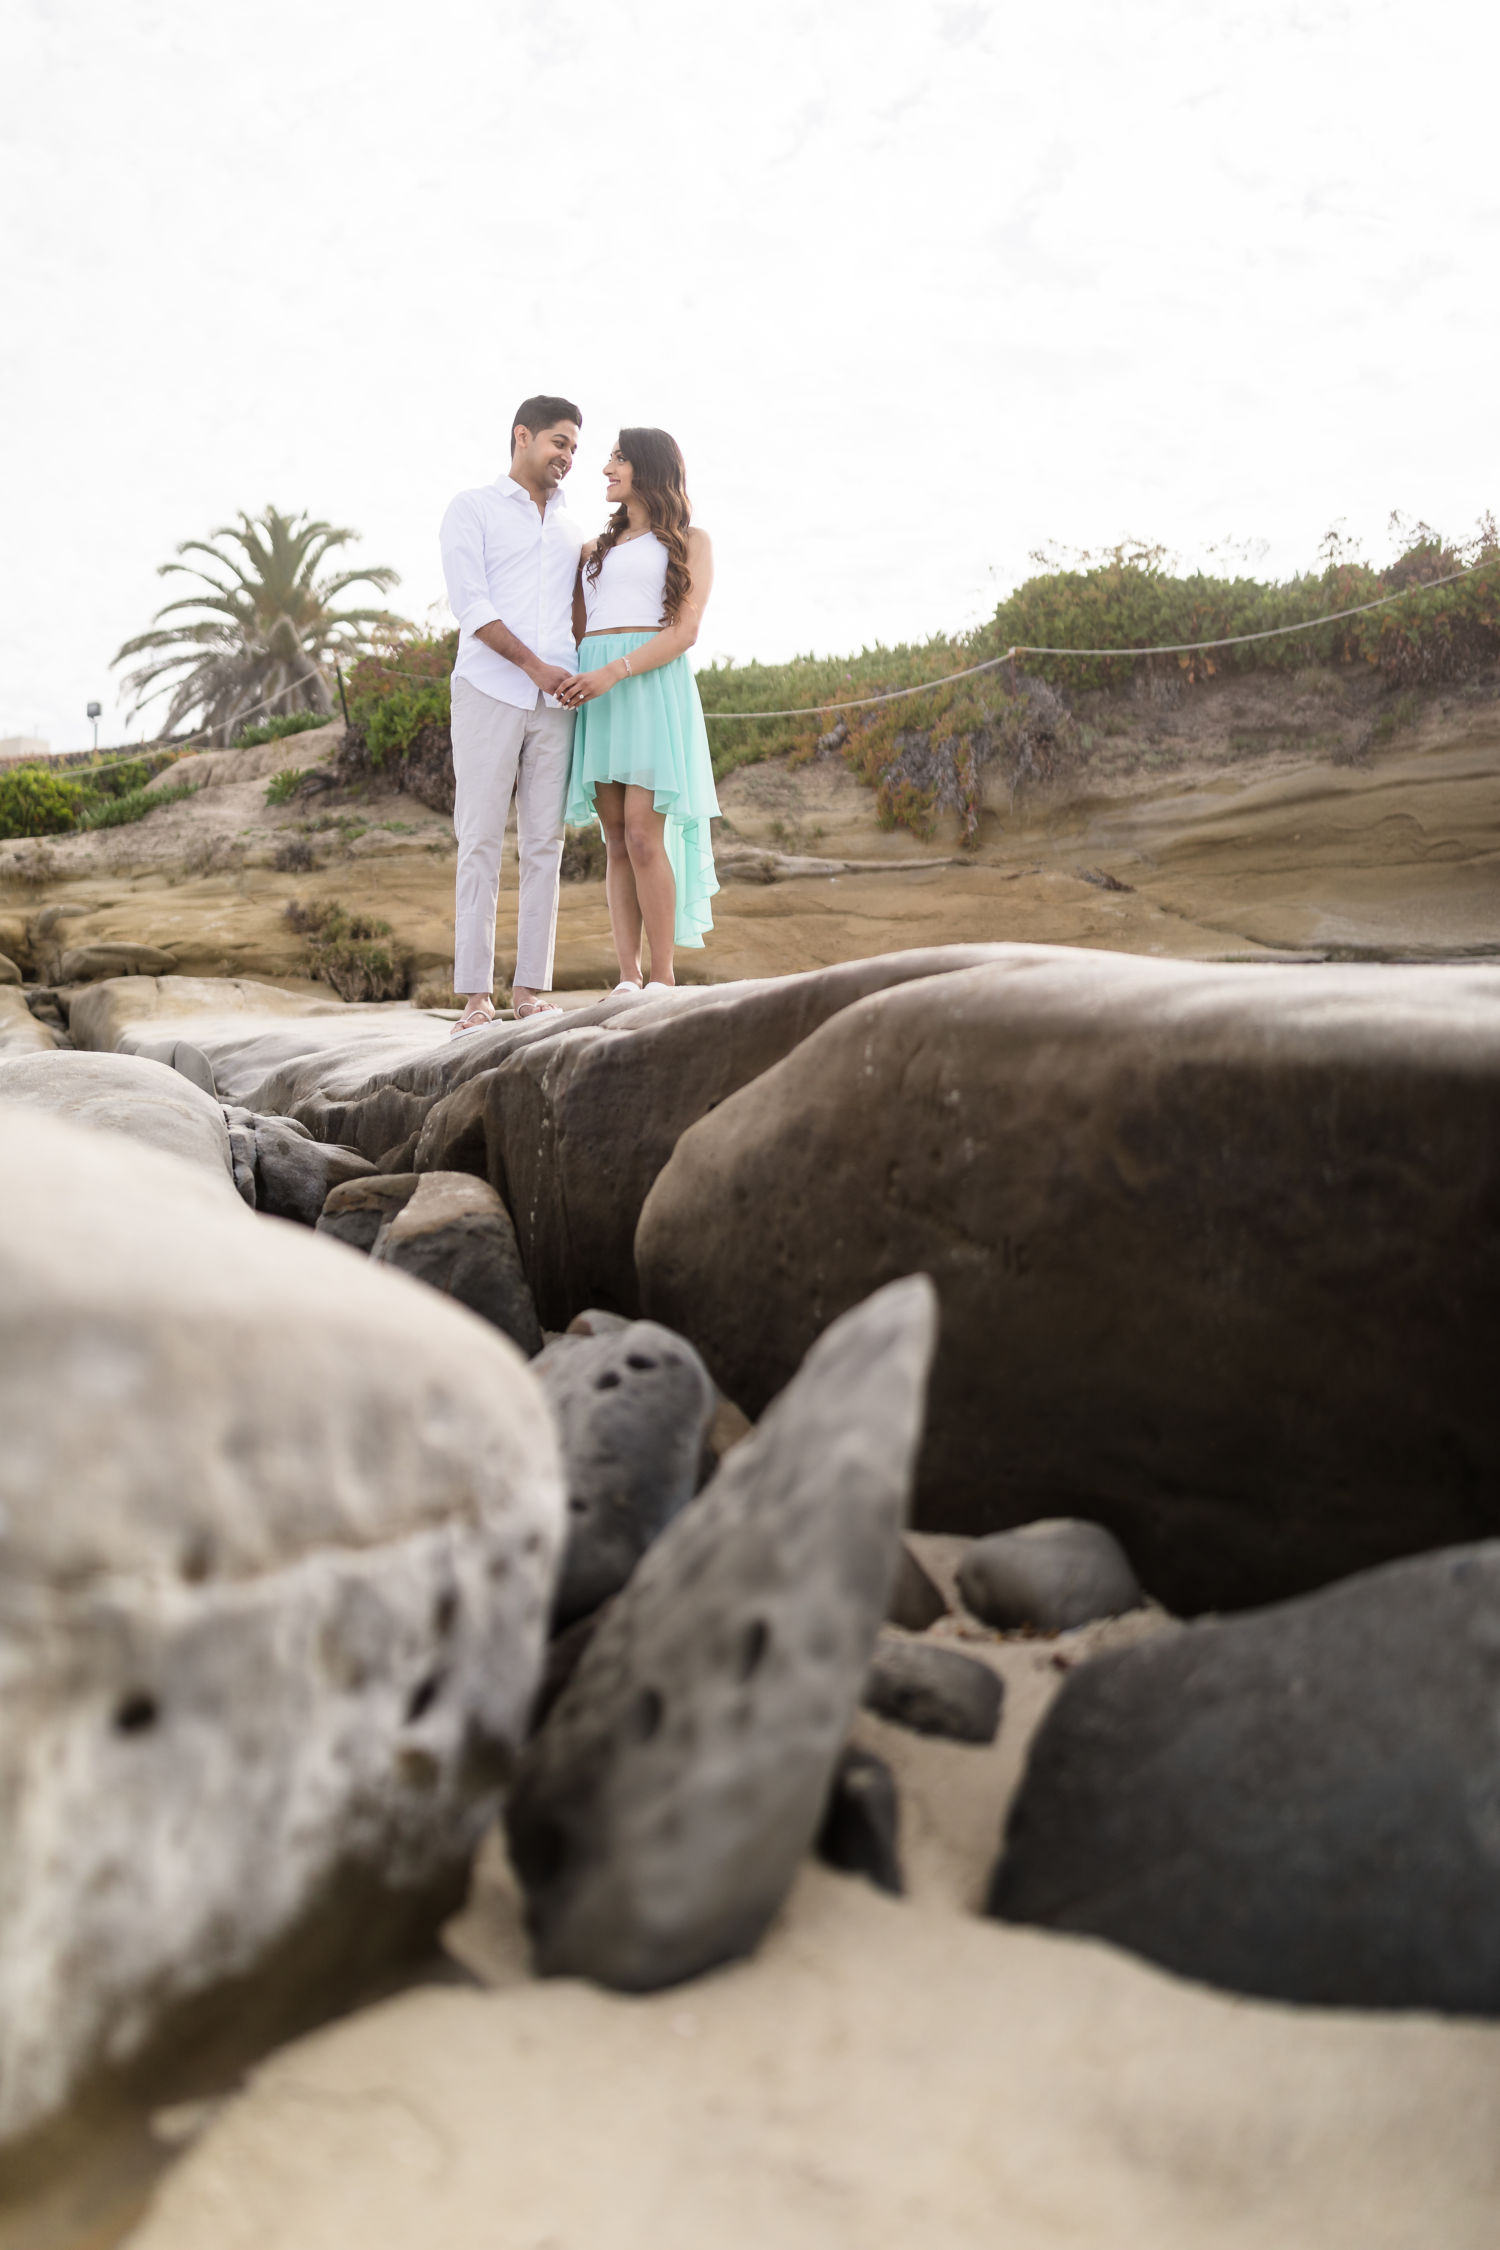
<point>655,889</point>
<point>619,879</point>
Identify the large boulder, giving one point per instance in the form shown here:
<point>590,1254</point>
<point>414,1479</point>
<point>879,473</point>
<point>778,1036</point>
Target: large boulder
<point>124,1095</point>
<point>277,1536</point>
<point>574,1129</point>
<point>1303,1803</point>
<point>660,1814</point>
<point>294,1174</point>
<point>453,1233</point>
<point>1215,1246</point>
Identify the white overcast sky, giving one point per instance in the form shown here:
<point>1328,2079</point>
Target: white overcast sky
<point>919,286</point>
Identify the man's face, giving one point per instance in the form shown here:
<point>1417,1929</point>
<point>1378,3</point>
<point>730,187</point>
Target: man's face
<point>544,457</point>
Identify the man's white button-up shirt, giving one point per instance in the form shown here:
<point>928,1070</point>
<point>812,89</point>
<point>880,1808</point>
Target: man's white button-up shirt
<point>502,558</point>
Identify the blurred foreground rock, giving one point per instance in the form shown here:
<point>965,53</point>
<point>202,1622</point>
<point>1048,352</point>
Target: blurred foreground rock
<point>659,1816</point>
<point>277,1534</point>
<point>1303,1803</point>
<point>143,1102</point>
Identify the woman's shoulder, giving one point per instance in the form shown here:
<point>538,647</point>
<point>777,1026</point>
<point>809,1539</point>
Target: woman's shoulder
<point>698,539</point>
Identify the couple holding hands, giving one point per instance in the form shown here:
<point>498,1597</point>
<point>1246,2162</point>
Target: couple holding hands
<point>572,689</point>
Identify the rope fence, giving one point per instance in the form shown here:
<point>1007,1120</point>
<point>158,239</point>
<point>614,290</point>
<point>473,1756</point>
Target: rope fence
<point>969,672</point>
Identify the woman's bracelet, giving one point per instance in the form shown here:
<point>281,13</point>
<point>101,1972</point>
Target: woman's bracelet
<point>625,660</point>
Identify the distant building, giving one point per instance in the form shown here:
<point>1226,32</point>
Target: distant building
<point>21,749</point>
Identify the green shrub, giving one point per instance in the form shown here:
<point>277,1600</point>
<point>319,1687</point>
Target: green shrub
<point>120,812</point>
<point>393,696</point>
<point>275,729</point>
<point>352,952</point>
<point>35,802</point>
<point>284,785</point>
<point>583,855</point>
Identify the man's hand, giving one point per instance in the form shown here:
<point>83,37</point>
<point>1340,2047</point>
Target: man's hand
<point>549,677</point>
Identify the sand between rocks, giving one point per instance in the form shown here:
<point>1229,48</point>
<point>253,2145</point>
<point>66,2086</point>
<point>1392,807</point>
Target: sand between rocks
<point>882,2075</point>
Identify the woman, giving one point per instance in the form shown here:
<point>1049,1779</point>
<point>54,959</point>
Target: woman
<point>640,753</point>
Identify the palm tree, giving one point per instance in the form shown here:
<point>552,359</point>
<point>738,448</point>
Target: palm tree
<point>267,631</point>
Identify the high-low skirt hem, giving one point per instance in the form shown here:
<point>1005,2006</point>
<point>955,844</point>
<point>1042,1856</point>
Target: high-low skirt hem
<point>648,732</point>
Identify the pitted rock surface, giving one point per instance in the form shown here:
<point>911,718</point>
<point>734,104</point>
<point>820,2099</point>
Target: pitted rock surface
<point>633,1406</point>
<point>294,1174</point>
<point>1302,1804</point>
<point>1055,1574</point>
<point>660,1814</point>
<point>454,1233</point>
<point>272,1602</point>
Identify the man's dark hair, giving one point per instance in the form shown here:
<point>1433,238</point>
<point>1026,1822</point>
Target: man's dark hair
<point>540,413</point>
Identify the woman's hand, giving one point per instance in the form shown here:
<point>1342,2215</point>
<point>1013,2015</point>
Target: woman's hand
<point>583,687</point>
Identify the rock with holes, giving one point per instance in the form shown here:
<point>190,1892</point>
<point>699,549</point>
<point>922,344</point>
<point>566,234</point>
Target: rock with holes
<point>1054,1574</point>
<point>1303,1803</point>
<point>355,1211</point>
<point>125,1095</point>
<point>660,1813</point>
<point>861,1828</point>
<point>454,1233</point>
<point>934,1690</point>
<point>294,1174</point>
<point>634,1404</point>
<point>277,1537</point>
<point>1215,1244</point>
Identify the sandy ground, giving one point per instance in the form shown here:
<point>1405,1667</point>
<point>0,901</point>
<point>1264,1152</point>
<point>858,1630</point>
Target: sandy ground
<point>1276,850</point>
<point>882,2074</point>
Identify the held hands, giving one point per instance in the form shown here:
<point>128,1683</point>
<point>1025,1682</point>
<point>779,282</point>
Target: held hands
<point>583,687</point>
<point>548,677</point>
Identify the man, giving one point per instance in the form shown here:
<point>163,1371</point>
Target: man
<point>510,560</point>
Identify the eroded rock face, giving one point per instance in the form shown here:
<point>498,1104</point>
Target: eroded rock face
<point>294,1174</point>
<point>660,1814</point>
<point>122,1094</point>
<point>633,1408</point>
<point>1216,1248</point>
<point>1054,1575</point>
<point>1303,1803</point>
<point>277,1536</point>
<point>454,1233</point>
<point>574,1129</point>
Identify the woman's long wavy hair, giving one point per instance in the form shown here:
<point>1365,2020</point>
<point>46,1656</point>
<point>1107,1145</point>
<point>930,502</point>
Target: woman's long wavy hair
<point>658,476</point>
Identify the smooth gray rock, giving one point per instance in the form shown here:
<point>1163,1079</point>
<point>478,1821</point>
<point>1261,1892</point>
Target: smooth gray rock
<point>9,973</point>
<point>861,1830</point>
<point>294,1173</point>
<point>454,1233</point>
<point>356,1211</point>
<point>1053,1574</point>
<point>916,1600</point>
<point>1215,1245</point>
<point>660,1815</point>
<point>277,1534</point>
<point>1303,1803</point>
<point>633,1406</point>
<point>125,1095</point>
<point>934,1690</point>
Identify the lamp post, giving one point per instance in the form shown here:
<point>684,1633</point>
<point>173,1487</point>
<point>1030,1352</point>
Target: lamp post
<point>94,711</point>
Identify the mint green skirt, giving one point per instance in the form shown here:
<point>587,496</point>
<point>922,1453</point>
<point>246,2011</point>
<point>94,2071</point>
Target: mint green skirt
<point>648,732</point>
